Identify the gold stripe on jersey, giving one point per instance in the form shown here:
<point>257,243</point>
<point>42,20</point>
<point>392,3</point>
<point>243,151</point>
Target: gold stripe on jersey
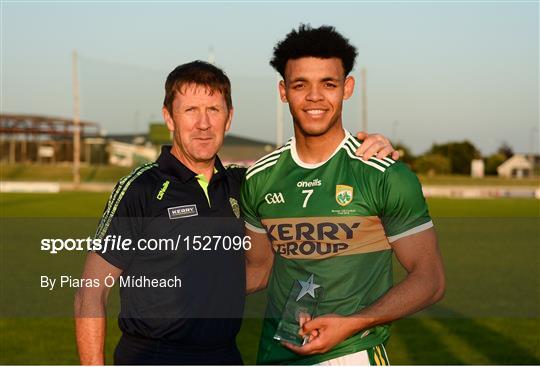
<point>377,360</point>
<point>324,237</point>
<point>383,361</point>
<point>267,161</point>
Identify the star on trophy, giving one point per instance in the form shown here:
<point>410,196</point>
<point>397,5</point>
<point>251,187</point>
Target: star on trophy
<point>302,303</point>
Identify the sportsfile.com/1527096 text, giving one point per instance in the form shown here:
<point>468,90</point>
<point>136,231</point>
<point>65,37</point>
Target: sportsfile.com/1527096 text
<point>120,243</point>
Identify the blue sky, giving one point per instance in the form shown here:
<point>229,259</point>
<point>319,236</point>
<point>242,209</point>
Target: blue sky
<point>437,71</point>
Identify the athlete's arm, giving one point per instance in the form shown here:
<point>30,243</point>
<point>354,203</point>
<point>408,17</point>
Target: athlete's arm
<point>90,312</point>
<point>259,260</point>
<point>424,285</point>
<point>375,145</point>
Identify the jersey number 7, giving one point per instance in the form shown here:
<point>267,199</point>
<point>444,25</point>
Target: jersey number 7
<point>308,192</point>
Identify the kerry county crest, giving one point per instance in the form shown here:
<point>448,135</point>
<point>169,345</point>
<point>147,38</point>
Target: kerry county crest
<point>235,207</point>
<point>344,194</point>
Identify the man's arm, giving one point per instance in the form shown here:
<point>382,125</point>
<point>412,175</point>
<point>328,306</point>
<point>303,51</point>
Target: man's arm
<point>424,285</point>
<point>259,260</point>
<point>90,312</point>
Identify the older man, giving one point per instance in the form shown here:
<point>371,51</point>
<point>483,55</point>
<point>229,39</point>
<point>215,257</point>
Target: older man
<point>189,196</point>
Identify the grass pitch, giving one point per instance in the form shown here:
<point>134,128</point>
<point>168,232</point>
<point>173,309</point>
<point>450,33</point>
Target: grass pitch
<point>490,314</point>
<point>62,172</point>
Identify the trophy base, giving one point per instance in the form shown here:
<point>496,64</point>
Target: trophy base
<point>288,332</point>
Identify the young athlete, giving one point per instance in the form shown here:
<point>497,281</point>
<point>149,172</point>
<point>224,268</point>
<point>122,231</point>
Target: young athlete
<point>322,218</point>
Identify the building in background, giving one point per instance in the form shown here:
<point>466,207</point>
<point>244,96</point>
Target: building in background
<point>130,155</point>
<point>49,140</point>
<point>477,168</point>
<point>45,139</point>
<point>519,166</point>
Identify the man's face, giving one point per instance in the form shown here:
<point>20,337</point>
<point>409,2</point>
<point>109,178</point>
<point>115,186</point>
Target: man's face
<point>315,89</point>
<point>198,121</point>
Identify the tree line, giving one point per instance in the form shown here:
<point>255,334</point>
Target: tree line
<point>453,158</point>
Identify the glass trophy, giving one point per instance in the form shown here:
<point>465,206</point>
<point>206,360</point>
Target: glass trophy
<point>302,302</point>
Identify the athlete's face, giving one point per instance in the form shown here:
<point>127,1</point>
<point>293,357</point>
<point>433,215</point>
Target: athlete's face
<point>198,122</point>
<point>315,89</point>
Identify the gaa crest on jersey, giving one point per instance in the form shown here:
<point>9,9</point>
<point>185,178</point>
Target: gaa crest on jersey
<point>235,207</point>
<point>344,194</point>
<point>274,198</point>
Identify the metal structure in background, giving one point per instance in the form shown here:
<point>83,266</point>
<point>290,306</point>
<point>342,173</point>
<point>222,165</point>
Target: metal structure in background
<point>76,123</point>
<point>27,138</point>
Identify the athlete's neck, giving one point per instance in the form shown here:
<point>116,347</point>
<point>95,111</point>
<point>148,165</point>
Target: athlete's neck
<point>205,167</point>
<point>316,149</point>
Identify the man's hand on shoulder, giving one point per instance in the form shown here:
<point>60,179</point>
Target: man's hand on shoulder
<point>375,145</point>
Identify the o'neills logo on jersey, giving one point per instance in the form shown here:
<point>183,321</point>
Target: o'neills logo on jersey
<point>321,237</point>
<point>313,183</point>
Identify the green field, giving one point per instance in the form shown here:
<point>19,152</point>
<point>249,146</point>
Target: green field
<point>490,315</point>
<point>462,180</point>
<point>61,172</point>
<point>100,173</point>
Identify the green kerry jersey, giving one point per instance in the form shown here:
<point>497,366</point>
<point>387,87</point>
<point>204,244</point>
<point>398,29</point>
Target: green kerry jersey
<point>334,220</point>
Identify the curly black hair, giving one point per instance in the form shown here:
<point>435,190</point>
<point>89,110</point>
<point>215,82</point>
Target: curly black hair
<point>323,42</point>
